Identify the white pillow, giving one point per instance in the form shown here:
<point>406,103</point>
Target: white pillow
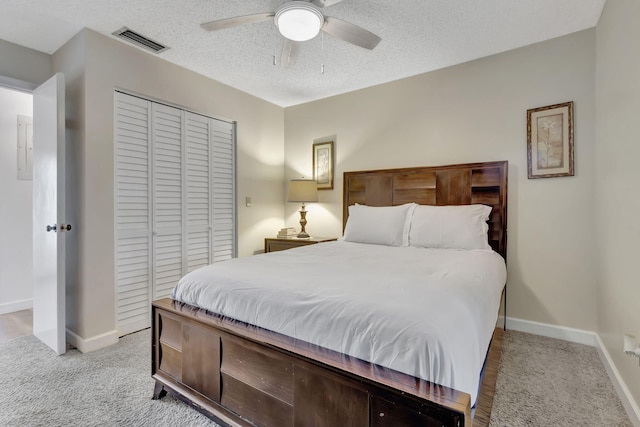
<point>384,225</point>
<point>452,227</point>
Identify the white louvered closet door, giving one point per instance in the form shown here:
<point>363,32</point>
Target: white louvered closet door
<point>133,212</point>
<point>198,187</point>
<point>210,186</point>
<point>168,213</point>
<point>223,161</point>
<point>174,201</point>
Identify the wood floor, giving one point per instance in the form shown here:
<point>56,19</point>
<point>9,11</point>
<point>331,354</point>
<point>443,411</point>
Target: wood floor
<point>485,399</point>
<point>14,325</point>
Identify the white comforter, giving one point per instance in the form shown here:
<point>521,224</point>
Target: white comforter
<point>429,313</point>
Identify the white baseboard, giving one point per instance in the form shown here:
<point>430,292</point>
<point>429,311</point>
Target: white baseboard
<point>621,387</point>
<point>589,338</point>
<point>10,307</point>
<point>579,336</point>
<point>86,345</point>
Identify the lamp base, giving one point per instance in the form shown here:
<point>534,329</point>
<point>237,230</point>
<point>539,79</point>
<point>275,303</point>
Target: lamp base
<point>303,222</point>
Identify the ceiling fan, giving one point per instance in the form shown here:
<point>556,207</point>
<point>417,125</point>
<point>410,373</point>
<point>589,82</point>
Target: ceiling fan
<point>301,20</point>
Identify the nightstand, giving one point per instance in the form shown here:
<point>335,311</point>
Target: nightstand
<point>272,244</point>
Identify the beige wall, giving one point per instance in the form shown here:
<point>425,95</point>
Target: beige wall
<point>19,65</point>
<point>477,112</point>
<point>617,179</point>
<point>98,65</point>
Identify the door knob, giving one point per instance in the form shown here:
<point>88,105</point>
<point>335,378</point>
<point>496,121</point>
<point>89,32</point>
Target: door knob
<point>51,228</point>
<point>64,227</point>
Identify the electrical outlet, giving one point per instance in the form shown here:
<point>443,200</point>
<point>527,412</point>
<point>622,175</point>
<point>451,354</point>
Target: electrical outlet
<point>632,346</point>
<point>630,343</point>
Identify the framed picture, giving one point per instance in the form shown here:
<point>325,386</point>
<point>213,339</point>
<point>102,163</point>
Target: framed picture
<point>550,141</point>
<point>323,164</point>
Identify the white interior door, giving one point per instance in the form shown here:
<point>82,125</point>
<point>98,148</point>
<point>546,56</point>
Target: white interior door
<point>49,226</point>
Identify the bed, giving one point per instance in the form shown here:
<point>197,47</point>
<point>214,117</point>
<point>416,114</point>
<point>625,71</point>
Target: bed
<point>228,362</point>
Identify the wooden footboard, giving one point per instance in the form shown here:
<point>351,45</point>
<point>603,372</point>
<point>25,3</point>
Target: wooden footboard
<point>242,375</point>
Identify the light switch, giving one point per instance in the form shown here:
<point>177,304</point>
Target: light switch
<point>247,201</point>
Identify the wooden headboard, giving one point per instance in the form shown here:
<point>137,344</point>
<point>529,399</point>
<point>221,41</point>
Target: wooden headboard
<point>465,184</point>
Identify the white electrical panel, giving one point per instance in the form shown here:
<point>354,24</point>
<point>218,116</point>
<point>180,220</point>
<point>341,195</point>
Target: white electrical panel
<point>25,148</point>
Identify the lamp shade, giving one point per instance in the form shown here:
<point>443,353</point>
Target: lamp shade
<point>303,190</point>
<point>299,20</point>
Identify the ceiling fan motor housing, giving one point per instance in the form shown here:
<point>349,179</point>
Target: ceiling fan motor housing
<point>299,20</point>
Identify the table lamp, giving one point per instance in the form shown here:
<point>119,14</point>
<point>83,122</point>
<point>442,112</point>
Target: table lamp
<point>303,190</point>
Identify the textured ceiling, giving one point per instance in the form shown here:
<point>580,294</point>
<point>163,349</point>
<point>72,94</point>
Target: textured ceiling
<point>417,36</point>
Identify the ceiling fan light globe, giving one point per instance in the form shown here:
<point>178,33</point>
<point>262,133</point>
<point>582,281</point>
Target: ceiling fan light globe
<point>299,21</point>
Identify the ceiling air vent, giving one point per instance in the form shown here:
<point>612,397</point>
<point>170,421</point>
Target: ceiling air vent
<point>139,40</point>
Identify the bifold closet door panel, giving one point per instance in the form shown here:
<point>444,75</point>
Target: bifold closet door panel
<point>224,204</point>
<point>168,204</point>
<point>199,203</point>
<point>133,212</point>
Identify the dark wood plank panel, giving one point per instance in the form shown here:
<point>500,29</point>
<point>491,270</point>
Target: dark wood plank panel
<point>358,183</point>
<point>358,197</point>
<point>495,234</point>
<point>250,364</point>
<point>489,198</point>
<point>171,332</point>
<point>385,413</point>
<point>323,401</point>
<point>453,187</point>
<point>496,217</point>
<point>201,360</point>
<point>171,361</point>
<point>253,404</point>
<point>422,196</point>
<point>425,179</point>
<point>487,177</point>
<point>379,190</point>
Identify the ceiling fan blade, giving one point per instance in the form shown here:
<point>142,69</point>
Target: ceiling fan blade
<point>222,24</point>
<point>289,55</point>
<point>350,33</point>
<point>325,3</point>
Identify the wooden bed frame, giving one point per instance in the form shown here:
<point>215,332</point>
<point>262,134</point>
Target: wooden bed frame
<point>242,375</point>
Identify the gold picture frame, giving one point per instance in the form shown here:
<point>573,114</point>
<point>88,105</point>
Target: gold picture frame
<point>550,141</point>
<point>323,164</point>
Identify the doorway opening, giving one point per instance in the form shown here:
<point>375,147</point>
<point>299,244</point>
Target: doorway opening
<point>16,244</point>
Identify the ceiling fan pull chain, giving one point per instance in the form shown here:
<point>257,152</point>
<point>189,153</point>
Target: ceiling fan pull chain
<point>322,52</point>
<point>276,43</point>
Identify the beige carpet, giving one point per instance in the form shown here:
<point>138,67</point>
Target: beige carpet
<point>108,387</point>
<point>542,382</point>
<point>549,382</point>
